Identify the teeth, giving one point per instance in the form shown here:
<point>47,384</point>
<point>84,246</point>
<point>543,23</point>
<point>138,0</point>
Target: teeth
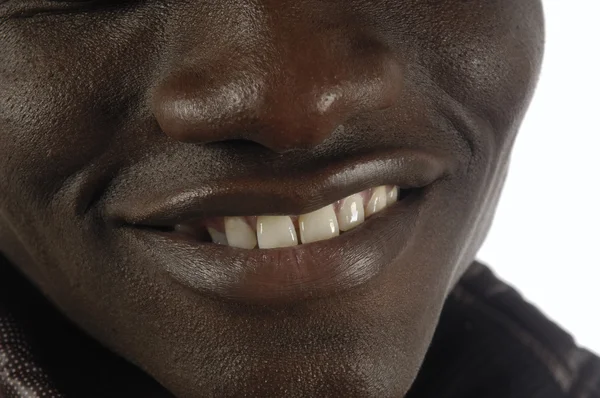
<point>351,213</point>
<point>239,233</point>
<point>280,231</point>
<point>377,202</point>
<point>275,231</point>
<point>217,237</point>
<point>319,225</point>
<point>392,196</point>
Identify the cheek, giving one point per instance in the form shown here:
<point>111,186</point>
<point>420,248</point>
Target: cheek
<point>46,127</point>
<point>54,123</point>
<point>61,104</point>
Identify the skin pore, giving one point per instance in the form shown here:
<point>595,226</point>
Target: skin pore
<point>104,102</point>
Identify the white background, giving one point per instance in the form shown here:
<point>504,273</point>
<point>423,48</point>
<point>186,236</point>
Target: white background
<point>545,240</point>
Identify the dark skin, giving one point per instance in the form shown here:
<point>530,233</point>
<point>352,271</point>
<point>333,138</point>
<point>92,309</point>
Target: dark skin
<point>105,98</point>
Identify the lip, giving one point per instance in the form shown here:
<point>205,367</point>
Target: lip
<point>280,276</point>
<point>295,194</point>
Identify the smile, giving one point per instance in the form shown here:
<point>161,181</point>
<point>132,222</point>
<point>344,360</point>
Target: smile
<point>275,241</point>
<point>274,231</point>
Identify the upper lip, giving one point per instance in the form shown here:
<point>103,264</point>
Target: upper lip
<point>297,195</point>
<point>286,275</point>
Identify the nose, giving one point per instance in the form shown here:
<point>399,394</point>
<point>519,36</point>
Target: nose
<point>286,93</point>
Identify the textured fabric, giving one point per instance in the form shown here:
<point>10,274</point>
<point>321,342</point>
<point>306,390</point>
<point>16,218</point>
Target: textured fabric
<point>489,343</point>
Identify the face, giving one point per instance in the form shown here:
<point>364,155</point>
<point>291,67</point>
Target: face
<point>131,134</point>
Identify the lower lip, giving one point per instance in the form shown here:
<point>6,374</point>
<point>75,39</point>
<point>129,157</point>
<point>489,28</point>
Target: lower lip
<point>279,276</point>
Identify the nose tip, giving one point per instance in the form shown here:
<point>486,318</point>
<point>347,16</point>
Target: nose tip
<point>296,104</point>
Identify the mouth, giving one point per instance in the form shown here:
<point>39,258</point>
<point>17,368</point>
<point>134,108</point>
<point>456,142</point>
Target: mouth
<point>276,241</point>
<point>280,231</point>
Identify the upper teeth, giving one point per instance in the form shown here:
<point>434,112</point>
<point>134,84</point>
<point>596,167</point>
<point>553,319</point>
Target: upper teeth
<point>283,231</point>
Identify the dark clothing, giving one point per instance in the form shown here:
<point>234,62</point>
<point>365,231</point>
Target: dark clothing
<point>490,343</point>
